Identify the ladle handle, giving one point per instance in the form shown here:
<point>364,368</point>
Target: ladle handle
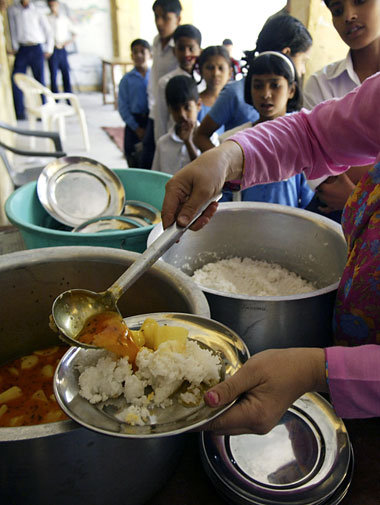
<point>162,243</point>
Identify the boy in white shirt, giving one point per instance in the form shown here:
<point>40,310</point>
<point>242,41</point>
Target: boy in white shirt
<point>176,148</point>
<point>64,33</point>
<point>167,16</point>
<point>187,48</point>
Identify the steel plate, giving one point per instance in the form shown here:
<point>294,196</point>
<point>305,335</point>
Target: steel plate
<point>169,421</point>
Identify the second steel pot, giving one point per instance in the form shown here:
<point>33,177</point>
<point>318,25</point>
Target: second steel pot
<point>306,243</point>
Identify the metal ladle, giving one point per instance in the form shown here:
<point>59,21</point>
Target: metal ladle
<point>74,307</point>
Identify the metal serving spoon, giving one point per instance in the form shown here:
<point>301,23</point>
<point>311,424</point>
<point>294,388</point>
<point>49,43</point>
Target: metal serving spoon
<point>74,307</point>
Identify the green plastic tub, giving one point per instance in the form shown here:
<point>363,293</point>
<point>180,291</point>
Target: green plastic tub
<point>39,229</point>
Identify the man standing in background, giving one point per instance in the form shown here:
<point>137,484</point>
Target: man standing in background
<point>32,40</point>
<point>64,33</point>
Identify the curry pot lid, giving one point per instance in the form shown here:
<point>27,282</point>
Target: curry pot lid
<point>304,460</point>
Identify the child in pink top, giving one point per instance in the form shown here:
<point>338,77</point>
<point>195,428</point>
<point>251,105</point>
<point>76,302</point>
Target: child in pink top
<point>326,141</point>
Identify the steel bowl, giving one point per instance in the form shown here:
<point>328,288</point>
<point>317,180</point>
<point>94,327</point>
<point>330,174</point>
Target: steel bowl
<point>62,462</point>
<point>306,243</point>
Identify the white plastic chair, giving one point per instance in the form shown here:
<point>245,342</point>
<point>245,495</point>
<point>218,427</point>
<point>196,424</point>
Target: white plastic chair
<point>52,111</point>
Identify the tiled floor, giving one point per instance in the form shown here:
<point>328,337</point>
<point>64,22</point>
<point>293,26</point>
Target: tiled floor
<point>102,148</point>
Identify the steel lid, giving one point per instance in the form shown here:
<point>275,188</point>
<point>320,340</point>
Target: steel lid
<point>305,460</point>
<point>75,189</point>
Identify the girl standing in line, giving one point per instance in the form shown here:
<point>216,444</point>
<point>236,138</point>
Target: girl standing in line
<point>272,87</point>
<point>283,33</point>
<point>215,68</point>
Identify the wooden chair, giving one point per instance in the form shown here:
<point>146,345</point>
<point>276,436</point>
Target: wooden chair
<point>51,110</point>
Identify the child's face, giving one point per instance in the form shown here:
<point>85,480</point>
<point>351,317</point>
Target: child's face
<point>54,7</point>
<point>185,112</point>
<point>186,51</point>
<point>356,21</point>
<point>166,22</point>
<point>140,55</point>
<point>270,94</point>
<point>216,72</point>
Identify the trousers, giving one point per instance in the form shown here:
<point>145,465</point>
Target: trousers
<point>59,61</point>
<point>27,56</point>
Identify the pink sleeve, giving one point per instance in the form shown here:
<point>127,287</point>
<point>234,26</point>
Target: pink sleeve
<point>354,380</point>
<point>325,141</point>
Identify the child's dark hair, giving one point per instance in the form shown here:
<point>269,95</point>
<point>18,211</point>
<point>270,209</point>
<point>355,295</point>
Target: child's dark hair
<point>168,6</point>
<point>180,90</point>
<point>212,51</point>
<point>189,31</point>
<point>140,42</point>
<point>280,32</point>
<point>277,64</point>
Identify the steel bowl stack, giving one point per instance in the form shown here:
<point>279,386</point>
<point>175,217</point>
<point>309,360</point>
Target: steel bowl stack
<point>305,460</point>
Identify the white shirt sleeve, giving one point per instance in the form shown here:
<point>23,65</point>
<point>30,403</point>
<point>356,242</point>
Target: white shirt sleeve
<point>161,111</point>
<point>49,35</point>
<point>71,27</point>
<point>156,165</point>
<point>12,13</point>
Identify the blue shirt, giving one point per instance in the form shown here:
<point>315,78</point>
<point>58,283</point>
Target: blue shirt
<point>230,109</point>
<point>133,97</point>
<point>203,112</point>
<point>294,192</point>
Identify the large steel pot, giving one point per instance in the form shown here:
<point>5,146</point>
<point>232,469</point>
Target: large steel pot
<point>310,245</point>
<point>63,463</point>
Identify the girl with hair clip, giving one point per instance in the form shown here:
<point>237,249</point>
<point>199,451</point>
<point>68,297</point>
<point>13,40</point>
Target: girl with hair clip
<point>283,33</point>
<point>215,68</point>
<point>272,87</point>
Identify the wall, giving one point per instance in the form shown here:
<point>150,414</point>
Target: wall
<point>93,41</point>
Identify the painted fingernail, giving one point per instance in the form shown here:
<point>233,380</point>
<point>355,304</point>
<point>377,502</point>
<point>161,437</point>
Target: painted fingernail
<point>212,398</point>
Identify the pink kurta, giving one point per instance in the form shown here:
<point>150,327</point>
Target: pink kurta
<point>333,136</point>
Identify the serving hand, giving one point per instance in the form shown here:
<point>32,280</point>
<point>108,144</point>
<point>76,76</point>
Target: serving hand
<point>198,182</point>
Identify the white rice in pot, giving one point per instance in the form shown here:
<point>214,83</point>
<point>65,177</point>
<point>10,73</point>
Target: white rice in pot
<point>245,276</point>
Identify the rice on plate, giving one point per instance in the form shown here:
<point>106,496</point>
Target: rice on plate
<point>161,368</point>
